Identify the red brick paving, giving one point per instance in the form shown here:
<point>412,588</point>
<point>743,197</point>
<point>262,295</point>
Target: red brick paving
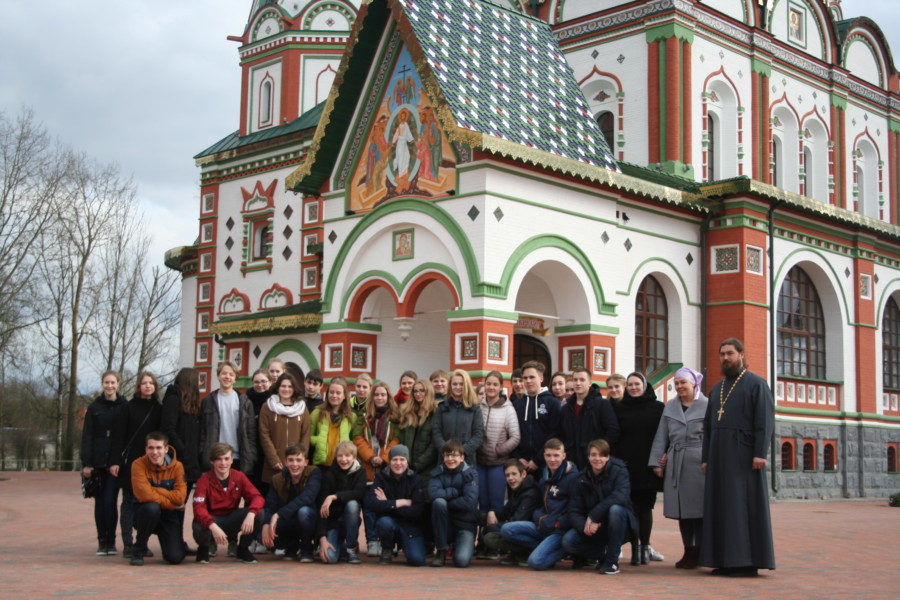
<point>835,549</point>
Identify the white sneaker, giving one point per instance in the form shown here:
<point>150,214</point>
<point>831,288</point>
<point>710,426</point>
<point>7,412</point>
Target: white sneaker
<point>374,549</point>
<point>654,555</point>
<point>257,548</point>
<point>279,551</point>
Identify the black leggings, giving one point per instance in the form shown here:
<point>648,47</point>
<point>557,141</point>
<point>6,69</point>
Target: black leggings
<point>644,501</point>
<point>691,532</point>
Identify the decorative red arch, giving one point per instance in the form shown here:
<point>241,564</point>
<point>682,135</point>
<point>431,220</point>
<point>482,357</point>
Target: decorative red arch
<point>408,307</point>
<point>354,313</point>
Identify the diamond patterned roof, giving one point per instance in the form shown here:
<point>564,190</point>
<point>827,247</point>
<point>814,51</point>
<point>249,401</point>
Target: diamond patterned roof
<point>503,75</point>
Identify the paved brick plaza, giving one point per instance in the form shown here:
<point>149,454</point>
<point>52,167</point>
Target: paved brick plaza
<point>824,550</point>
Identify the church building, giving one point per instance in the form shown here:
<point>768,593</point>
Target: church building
<point>470,184</point>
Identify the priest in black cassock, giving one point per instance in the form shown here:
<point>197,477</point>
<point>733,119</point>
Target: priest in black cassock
<point>740,416</point>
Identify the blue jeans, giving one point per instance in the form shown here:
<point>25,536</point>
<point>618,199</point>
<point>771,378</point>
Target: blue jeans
<point>391,532</point>
<point>463,542</point>
<point>611,535</point>
<point>545,551</point>
<point>106,512</point>
<point>491,488</point>
<point>297,532</point>
<point>346,535</point>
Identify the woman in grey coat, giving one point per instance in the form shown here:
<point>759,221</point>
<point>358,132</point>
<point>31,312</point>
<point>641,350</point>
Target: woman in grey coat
<point>675,455</point>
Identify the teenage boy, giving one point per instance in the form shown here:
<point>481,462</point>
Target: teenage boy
<point>289,520</point>
<point>586,416</point>
<point>341,498</point>
<point>312,388</point>
<point>600,510</point>
<point>538,414</point>
<point>218,517</point>
<point>517,384</point>
<point>522,498</point>
<point>159,486</point>
<point>439,381</point>
<point>543,534</point>
<point>396,499</point>
<point>453,491</point>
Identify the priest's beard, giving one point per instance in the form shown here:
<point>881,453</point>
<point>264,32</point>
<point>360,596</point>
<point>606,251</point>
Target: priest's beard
<point>732,370</point>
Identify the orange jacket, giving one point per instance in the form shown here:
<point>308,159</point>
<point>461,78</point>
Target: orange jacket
<point>164,485</point>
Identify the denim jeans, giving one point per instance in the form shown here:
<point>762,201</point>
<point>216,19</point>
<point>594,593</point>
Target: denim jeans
<point>106,511</point>
<point>463,540</point>
<point>297,532</point>
<point>546,551</point>
<point>391,532</point>
<point>347,534</point>
<point>150,518</point>
<point>611,535</point>
<point>491,488</point>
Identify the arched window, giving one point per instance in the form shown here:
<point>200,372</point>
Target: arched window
<point>787,456</point>
<point>890,340</point>
<point>809,456</point>
<point>607,122</point>
<point>527,348</point>
<point>712,148</point>
<point>261,242</point>
<point>651,328</point>
<point>777,179</point>
<point>829,456</point>
<point>265,103</point>
<point>801,328</point>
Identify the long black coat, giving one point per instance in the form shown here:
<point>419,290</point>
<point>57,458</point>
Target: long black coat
<point>597,421</point>
<point>638,422</point>
<point>99,428</point>
<point>183,430</point>
<point>134,420</point>
<point>737,527</point>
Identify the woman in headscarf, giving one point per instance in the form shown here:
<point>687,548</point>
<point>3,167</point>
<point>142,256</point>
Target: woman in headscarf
<point>675,456</point>
<point>639,413</point>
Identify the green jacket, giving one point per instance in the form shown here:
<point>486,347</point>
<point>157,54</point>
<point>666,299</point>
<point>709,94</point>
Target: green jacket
<point>318,436</point>
<point>422,453</point>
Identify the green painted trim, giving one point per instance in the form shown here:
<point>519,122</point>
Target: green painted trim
<point>760,66</point>
<point>839,102</point>
<point>398,285</point>
<point>291,346</point>
<point>883,298</point>
<point>664,374</point>
<point>677,167</point>
<point>671,29</point>
<point>244,382</point>
<point>487,313</point>
<point>415,205</point>
<point>867,325</point>
<point>779,276</point>
<point>743,302</point>
<point>815,412</point>
<point>628,290</point>
<point>585,328</point>
<point>366,327</point>
<point>556,241</point>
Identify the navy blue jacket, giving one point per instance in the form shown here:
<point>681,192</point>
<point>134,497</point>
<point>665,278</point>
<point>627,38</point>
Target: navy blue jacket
<point>538,422</point>
<point>459,487</point>
<point>593,495</point>
<point>286,498</point>
<point>553,514</point>
<point>521,502</point>
<point>408,485</point>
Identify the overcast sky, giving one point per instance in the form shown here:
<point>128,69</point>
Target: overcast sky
<point>149,83</point>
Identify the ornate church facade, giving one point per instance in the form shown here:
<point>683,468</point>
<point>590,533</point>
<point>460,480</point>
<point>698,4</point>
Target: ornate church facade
<point>424,184</point>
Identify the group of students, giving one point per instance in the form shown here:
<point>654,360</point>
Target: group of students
<point>439,466</point>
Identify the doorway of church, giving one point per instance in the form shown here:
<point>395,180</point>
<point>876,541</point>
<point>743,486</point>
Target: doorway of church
<point>526,347</point>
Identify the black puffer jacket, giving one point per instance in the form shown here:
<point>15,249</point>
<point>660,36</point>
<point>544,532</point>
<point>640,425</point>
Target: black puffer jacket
<point>97,436</point>
<point>597,421</point>
<point>183,430</point>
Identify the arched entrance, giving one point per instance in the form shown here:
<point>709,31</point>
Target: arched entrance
<point>526,347</point>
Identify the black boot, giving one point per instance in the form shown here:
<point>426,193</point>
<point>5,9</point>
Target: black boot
<point>645,554</point>
<point>635,554</point>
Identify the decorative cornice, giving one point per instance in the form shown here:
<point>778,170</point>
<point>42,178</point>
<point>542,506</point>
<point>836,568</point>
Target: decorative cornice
<point>623,17</point>
<point>266,324</point>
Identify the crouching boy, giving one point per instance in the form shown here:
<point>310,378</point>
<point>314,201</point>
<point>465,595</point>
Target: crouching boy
<point>290,515</point>
<point>395,498</point>
<point>341,497</point>
<point>522,498</point>
<point>453,490</point>
<point>218,517</point>
<point>600,510</point>
<point>158,483</point>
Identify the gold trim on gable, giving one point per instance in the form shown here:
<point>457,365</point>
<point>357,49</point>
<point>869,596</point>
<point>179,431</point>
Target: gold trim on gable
<point>264,324</point>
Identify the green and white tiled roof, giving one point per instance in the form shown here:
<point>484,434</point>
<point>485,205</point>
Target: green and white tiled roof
<point>503,75</point>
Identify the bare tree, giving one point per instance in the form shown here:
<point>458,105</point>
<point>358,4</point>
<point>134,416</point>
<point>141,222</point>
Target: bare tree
<point>33,170</point>
<point>160,310</point>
